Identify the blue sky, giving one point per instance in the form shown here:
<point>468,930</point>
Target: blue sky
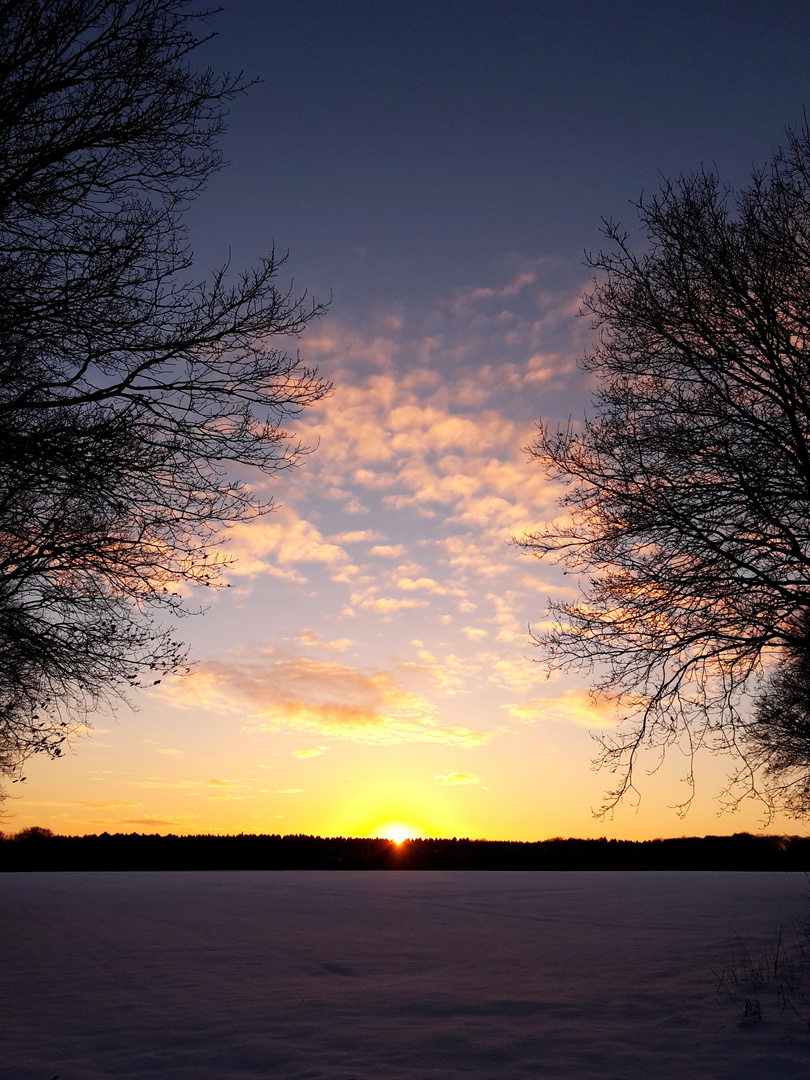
<point>402,149</point>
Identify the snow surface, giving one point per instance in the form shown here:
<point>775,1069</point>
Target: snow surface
<point>368,976</point>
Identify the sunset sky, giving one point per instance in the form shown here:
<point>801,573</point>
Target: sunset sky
<point>438,168</point>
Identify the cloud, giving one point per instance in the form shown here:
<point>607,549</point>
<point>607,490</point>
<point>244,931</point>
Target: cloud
<point>312,639</point>
<point>388,551</point>
<point>299,693</point>
<point>170,753</point>
<point>427,432</point>
<point>159,782</point>
<point>222,786</point>
<point>404,438</point>
<point>425,583</point>
<point>106,804</point>
<point>92,804</point>
<point>282,791</point>
<point>573,706</point>
<point>386,604</point>
<point>364,536</point>
<point>454,778</point>
<point>155,822</point>
<point>277,544</point>
<point>309,753</point>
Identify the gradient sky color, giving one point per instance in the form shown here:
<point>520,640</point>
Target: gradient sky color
<point>438,169</point>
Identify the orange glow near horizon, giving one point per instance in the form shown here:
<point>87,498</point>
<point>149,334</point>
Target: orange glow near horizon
<point>398,832</point>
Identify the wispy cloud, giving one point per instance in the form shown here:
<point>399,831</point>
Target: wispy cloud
<point>389,551</point>
<point>281,542</point>
<point>312,639</point>
<point>157,823</point>
<point>574,706</point>
<point>300,693</point>
<point>363,536</point>
<point>388,604</point>
<point>92,804</point>
<point>454,778</point>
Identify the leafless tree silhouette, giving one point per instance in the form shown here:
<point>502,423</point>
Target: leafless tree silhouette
<point>133,398</point>
<point>777,735</point>
<point>688,489</point>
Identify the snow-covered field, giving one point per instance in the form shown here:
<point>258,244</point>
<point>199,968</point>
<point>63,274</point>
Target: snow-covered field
<point>368,976</point>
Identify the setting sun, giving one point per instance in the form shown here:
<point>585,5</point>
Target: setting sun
<point>398,832</point>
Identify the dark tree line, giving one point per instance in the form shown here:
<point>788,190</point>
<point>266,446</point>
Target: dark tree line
<point>688,488</point>
<point>38,849</point>
<point>133,396</point>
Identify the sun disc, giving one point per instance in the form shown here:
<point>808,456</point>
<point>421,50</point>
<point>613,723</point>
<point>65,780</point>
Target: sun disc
<point>397,832</point>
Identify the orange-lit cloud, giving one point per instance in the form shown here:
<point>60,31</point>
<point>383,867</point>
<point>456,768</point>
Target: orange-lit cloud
<point>312,639</point>
<point>573,706</point>
<point>455,778</point>
<point>304,694</point>
<point>280,542</point>
<point>363,536</point>
<point>406,440</point>
<point>425,583</point>
<point>387,604</point>
<point>158,823</point>
<point>91,804</point>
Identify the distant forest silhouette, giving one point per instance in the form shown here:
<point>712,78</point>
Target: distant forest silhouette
<point>37,849</point>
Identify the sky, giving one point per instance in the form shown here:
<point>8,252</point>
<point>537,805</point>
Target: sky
<point>437,171</point>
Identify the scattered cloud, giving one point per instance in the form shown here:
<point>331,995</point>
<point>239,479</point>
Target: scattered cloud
<point>454,778</point>
<point>309,753</point>
<point>278,543</point>
<point>363,536</point>
<point>388,604</point>
<point>87,729</point>
<point>573,706</point>
<point>91,804</point>
<point>106,804</point>
<point>156,823</point>
<point>424,583</point>
<point>312,639</point>
<point>299,693</point>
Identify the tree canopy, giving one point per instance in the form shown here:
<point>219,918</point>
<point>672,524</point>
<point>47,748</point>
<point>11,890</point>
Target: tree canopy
<point>133,397</point>
<point>687,503</point>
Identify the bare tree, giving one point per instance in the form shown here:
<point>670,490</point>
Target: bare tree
<point>688,490</point>
<point>131,395</point>
<point>777,733</point>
